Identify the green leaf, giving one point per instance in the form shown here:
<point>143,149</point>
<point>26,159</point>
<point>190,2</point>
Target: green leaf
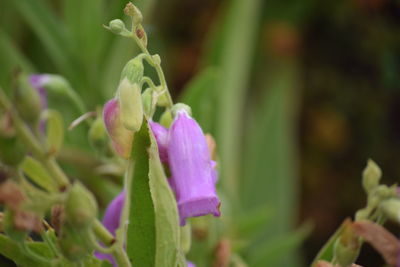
<point>50,30</point>
<point>38,174</point>
<point>141,241</point>
<point>167,219</point>
<point>10,250</point>
<point>235,53</point>
<point>272,251</point>
<point>55,130</point>
<point>200,94</point>
<point>326,252</point>
<point>270,168</point>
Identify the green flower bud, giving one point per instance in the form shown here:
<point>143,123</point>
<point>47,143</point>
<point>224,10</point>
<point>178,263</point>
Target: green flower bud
<point>347,247</point>
<point>73,243</point>
<point>180,106</point>
<point>132,11</point>
<point>163,100</point>
<point>166,118</point>
<point>80,206</point>
<point>116,26</point>
<point>12,151</point>
<point>130,102</point>
<point>146,100</point>
<point>391,209</point>
<point>98,135</point>
<point>133,70</point>
<point>371,176</point>
<point>27,100</point>
<point>9,228</point>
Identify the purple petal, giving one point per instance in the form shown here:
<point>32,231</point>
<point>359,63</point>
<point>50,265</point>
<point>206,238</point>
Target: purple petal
<point>120,136</point>
<point>190,165</point>
<point>38,81</point>
<point>111,221</point>
<point>161,135</point>
<point>190,264</point>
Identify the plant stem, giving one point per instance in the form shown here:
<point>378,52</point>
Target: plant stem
<point>156,65</point>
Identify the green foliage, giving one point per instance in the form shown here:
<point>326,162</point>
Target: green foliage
<point>38,174</point>
<point>167,220</point>
<point>141,239</point>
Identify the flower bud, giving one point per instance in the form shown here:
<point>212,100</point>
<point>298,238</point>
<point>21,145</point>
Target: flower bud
<point>132,11</point>
<point>39,81</point>
<point>80,206</point>
<point>121,137</point>
<point>371,176</point>
<point>116,26</point>
<point>27,100</point>
<point>166,118</point>
<point>161,135</point>
<point>347,246</point>
<point>147,100</point>
<point>133,70</point>
<point>130,101</point>
<point>73,243</point>
<point>191,171</point>
<point>391,209</point>
<point>162,100</point>
<point>97,135</point>
<point>179,107</point>
<point>12,151</point>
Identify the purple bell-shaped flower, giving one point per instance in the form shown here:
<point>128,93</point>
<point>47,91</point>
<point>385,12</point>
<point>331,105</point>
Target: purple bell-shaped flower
<point>192,174</point>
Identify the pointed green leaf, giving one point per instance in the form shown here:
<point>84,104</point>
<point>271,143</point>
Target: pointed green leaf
<point>10,250</point>
<point>141,241</point>
<point>55,130</point>
<point>38,174</point>
<point>326,252</point>
<point>167,220</point>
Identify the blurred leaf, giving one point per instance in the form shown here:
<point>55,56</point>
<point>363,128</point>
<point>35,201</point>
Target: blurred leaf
<point>38,174</point>
<point>166,213</point>
<point>253,221</point>
<point>11,250</point>
<point>141,246</point>
<point>234,62</point>
<point>11,58</point>
<point>54,130</point>
<point>200,95</point>
<point>326,252</point>
<point>49,29</point>
<point>270,165</point>
<point>272,251</point>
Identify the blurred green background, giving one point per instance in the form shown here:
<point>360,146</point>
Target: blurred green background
<point>298,94</point>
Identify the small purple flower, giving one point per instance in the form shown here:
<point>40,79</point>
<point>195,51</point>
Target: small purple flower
<point>190,264</point>
<point>38,81</point>
<point>111,221</point>
<point>193,176</point>
<point>161,135</point>
<point>120,136</point>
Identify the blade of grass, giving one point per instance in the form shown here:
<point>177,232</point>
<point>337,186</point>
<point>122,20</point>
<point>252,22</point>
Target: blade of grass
<point>49,29</point>
<point>235,61</point>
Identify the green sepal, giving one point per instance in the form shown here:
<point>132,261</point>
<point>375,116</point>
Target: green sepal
<point>12,151</point>
<point>80,206</point>
<point>54,130</point>
<point>38,174</point>
<point>27,100</point>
